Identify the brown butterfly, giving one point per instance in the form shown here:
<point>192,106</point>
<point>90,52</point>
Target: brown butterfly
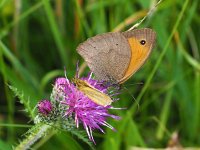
<point>115,56</point>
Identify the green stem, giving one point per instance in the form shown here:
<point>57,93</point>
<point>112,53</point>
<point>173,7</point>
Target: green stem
<point>161,55</point>
<point>37,132</point>
<point>147,84</point>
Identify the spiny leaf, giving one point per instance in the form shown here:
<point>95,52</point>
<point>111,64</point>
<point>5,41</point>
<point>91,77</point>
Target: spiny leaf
<point>23,100</point>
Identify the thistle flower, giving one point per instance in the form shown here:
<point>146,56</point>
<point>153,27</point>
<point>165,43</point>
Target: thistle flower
<point>81,108</point>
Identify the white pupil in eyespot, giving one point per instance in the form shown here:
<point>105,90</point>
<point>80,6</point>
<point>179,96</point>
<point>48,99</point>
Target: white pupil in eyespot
<point>142,42</point>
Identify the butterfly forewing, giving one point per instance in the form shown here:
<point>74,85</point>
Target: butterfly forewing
<point>139,51</point>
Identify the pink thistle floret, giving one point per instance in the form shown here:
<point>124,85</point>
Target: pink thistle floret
<point>83,109</point>
<point>44,107</point>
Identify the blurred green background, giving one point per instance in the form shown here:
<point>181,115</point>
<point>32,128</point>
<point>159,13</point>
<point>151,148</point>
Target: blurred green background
<point>39,37</point>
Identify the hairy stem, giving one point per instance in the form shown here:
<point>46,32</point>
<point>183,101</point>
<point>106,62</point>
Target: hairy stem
<point>35,133</point>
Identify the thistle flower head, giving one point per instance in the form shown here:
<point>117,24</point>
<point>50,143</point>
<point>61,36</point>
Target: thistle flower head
<point>82,108</point>
<point>70,103</point>
<point>44,107</point>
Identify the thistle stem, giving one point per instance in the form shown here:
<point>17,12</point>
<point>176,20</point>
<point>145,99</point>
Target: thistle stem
<point>35,133</point>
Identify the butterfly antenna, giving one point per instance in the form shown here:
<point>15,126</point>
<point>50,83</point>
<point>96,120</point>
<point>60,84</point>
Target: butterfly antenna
<point>150,12</point>
<point>77,69</point>
<point>132,97</point>
<point>65,72</point>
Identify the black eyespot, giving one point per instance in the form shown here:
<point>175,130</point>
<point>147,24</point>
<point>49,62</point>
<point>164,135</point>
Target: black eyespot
<point>143,42</point>
<point>116,44</point>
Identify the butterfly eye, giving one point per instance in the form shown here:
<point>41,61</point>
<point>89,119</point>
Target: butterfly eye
<point>143,42</point>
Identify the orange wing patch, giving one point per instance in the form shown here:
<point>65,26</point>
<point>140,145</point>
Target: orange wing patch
<point>139,53</point>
